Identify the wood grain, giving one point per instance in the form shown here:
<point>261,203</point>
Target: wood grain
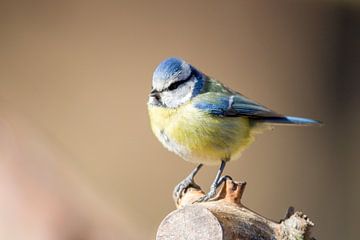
<point>226,218</point>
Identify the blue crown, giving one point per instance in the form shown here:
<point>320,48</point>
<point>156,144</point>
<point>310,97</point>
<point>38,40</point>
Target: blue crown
<point>168,68</point>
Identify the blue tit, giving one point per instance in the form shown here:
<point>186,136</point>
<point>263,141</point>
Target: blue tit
<point>203,121</point>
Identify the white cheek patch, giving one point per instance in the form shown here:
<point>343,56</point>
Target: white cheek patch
<point>179,96</point>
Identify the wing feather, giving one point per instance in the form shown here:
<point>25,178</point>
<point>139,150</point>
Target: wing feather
<point>231,105</point>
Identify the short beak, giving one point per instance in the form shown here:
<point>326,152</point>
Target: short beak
<point>154,97</point>
<point>154,93</point>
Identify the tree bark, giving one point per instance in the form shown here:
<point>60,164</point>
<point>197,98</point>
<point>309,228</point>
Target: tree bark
<point>225,218</point>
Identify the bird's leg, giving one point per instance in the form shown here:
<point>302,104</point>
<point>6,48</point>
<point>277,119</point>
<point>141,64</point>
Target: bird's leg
<point>217,181</point>
<point>187,182</point>
<point>223,179</point>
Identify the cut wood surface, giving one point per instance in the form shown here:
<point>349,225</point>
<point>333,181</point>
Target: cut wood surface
<point>225,218</point>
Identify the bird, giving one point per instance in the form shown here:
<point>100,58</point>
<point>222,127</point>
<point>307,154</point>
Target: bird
<point>204,122</point>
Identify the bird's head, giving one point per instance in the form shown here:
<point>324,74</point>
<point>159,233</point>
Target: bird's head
<point>174,83</point>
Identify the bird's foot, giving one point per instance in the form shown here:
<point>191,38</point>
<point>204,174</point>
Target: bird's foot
<point>207,196</point>
<point>211,194</point>
<point>182,186</point>
<point>180,189</point>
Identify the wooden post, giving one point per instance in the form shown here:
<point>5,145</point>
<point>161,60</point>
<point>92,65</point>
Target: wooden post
<point>225,218</point>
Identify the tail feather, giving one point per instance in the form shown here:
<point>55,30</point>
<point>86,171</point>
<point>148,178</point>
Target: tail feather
<point>291,120</point>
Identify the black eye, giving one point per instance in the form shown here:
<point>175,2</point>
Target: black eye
<point>175,85</point>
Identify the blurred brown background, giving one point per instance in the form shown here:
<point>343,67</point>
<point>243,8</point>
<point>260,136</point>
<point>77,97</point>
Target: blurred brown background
<point>77,157</point>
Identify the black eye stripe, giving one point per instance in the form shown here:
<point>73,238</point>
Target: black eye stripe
<point>175,85</point>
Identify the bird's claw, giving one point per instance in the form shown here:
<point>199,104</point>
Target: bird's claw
<point>213,189</point>
<point>186,183</point>
<point>207,196</point>
<point>182,186</point>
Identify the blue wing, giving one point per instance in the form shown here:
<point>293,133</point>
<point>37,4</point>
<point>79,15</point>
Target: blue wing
<point>237,105</point>
<point>231,105</point>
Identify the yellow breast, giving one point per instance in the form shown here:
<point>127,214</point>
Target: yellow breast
<point>198,136</point>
